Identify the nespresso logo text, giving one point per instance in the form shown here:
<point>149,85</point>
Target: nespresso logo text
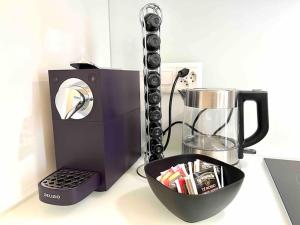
<point>51,196</point>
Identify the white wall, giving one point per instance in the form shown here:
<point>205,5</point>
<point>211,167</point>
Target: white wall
<point>242,44</point>
<point>36,36</point>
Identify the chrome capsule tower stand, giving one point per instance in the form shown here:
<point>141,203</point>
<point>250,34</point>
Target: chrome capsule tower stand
<point>150,19</point>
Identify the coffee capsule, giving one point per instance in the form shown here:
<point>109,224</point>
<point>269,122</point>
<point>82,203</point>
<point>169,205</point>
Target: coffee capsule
<point>152,42</point>
<point>152,21</point>
<point>155,130</point>
<point>153,60</point>
<point>156,146</point>
<point>154,114</point>
<point>154,97</point>
<point>153,79</point>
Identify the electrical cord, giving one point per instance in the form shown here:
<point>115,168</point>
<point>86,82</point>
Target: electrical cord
<point>181,122</point>
<point>174,123</point>
<point>193,130</point>
<point>194,123</point>
<point>227,121</point>
<point>170,113</point>
<point>196,119</point>
<point>182,73</point>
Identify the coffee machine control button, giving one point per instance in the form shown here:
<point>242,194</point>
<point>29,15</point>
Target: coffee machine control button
<point>74,99</point>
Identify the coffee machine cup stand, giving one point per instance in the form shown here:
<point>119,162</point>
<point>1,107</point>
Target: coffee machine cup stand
<point>87,118</point>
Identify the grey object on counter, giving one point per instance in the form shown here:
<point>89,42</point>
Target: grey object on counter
<point>286,176</point>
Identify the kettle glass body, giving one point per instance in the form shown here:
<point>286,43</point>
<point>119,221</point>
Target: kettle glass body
<point>214,123</point>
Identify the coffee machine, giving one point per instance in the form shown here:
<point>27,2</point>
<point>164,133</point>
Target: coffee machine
<point>97,134</point>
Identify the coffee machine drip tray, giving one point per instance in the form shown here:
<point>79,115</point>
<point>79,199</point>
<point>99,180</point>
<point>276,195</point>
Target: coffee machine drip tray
<point>68,186</point>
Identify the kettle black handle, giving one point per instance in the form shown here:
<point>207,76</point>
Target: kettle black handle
<point>261,99</point>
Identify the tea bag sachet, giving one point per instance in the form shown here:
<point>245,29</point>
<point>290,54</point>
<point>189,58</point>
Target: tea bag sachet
<point>193,178</point>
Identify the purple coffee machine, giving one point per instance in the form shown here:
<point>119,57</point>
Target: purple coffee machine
<point>97,135</point>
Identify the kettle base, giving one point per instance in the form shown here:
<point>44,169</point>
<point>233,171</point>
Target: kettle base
<point>227,156</point>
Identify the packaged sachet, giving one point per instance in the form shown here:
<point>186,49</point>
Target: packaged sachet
<point>207,181</point>
<point>193,178</point>
<point>202,166</point>
<point>181,185</point>
<point>168,177</point>
<point>181,169</point>
<point>190,166</point>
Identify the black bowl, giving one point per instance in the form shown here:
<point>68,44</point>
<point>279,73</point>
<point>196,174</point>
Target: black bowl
<point>193,208</point>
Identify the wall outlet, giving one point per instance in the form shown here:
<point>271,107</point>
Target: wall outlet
<point>169,72</point>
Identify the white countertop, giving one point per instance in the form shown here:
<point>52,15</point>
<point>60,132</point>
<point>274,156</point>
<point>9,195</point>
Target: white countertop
<point>131,201</point>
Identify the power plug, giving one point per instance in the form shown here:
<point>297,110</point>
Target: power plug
<point>169,72</point>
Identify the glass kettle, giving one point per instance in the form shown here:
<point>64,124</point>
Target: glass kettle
<point>213,122</point>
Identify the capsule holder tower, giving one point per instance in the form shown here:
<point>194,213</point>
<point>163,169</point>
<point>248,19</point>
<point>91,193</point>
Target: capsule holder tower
<point>151,18</point>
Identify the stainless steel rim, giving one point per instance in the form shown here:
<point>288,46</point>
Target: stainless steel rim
<point>211,98</point>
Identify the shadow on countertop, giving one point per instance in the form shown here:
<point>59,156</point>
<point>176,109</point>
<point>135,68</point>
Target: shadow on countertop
<point>142,207</point>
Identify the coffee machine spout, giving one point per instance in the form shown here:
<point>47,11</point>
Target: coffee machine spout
<point>74,99</point>
<point>68,101</point>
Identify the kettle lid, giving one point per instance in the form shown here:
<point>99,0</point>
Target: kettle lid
<point>211,98</point>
